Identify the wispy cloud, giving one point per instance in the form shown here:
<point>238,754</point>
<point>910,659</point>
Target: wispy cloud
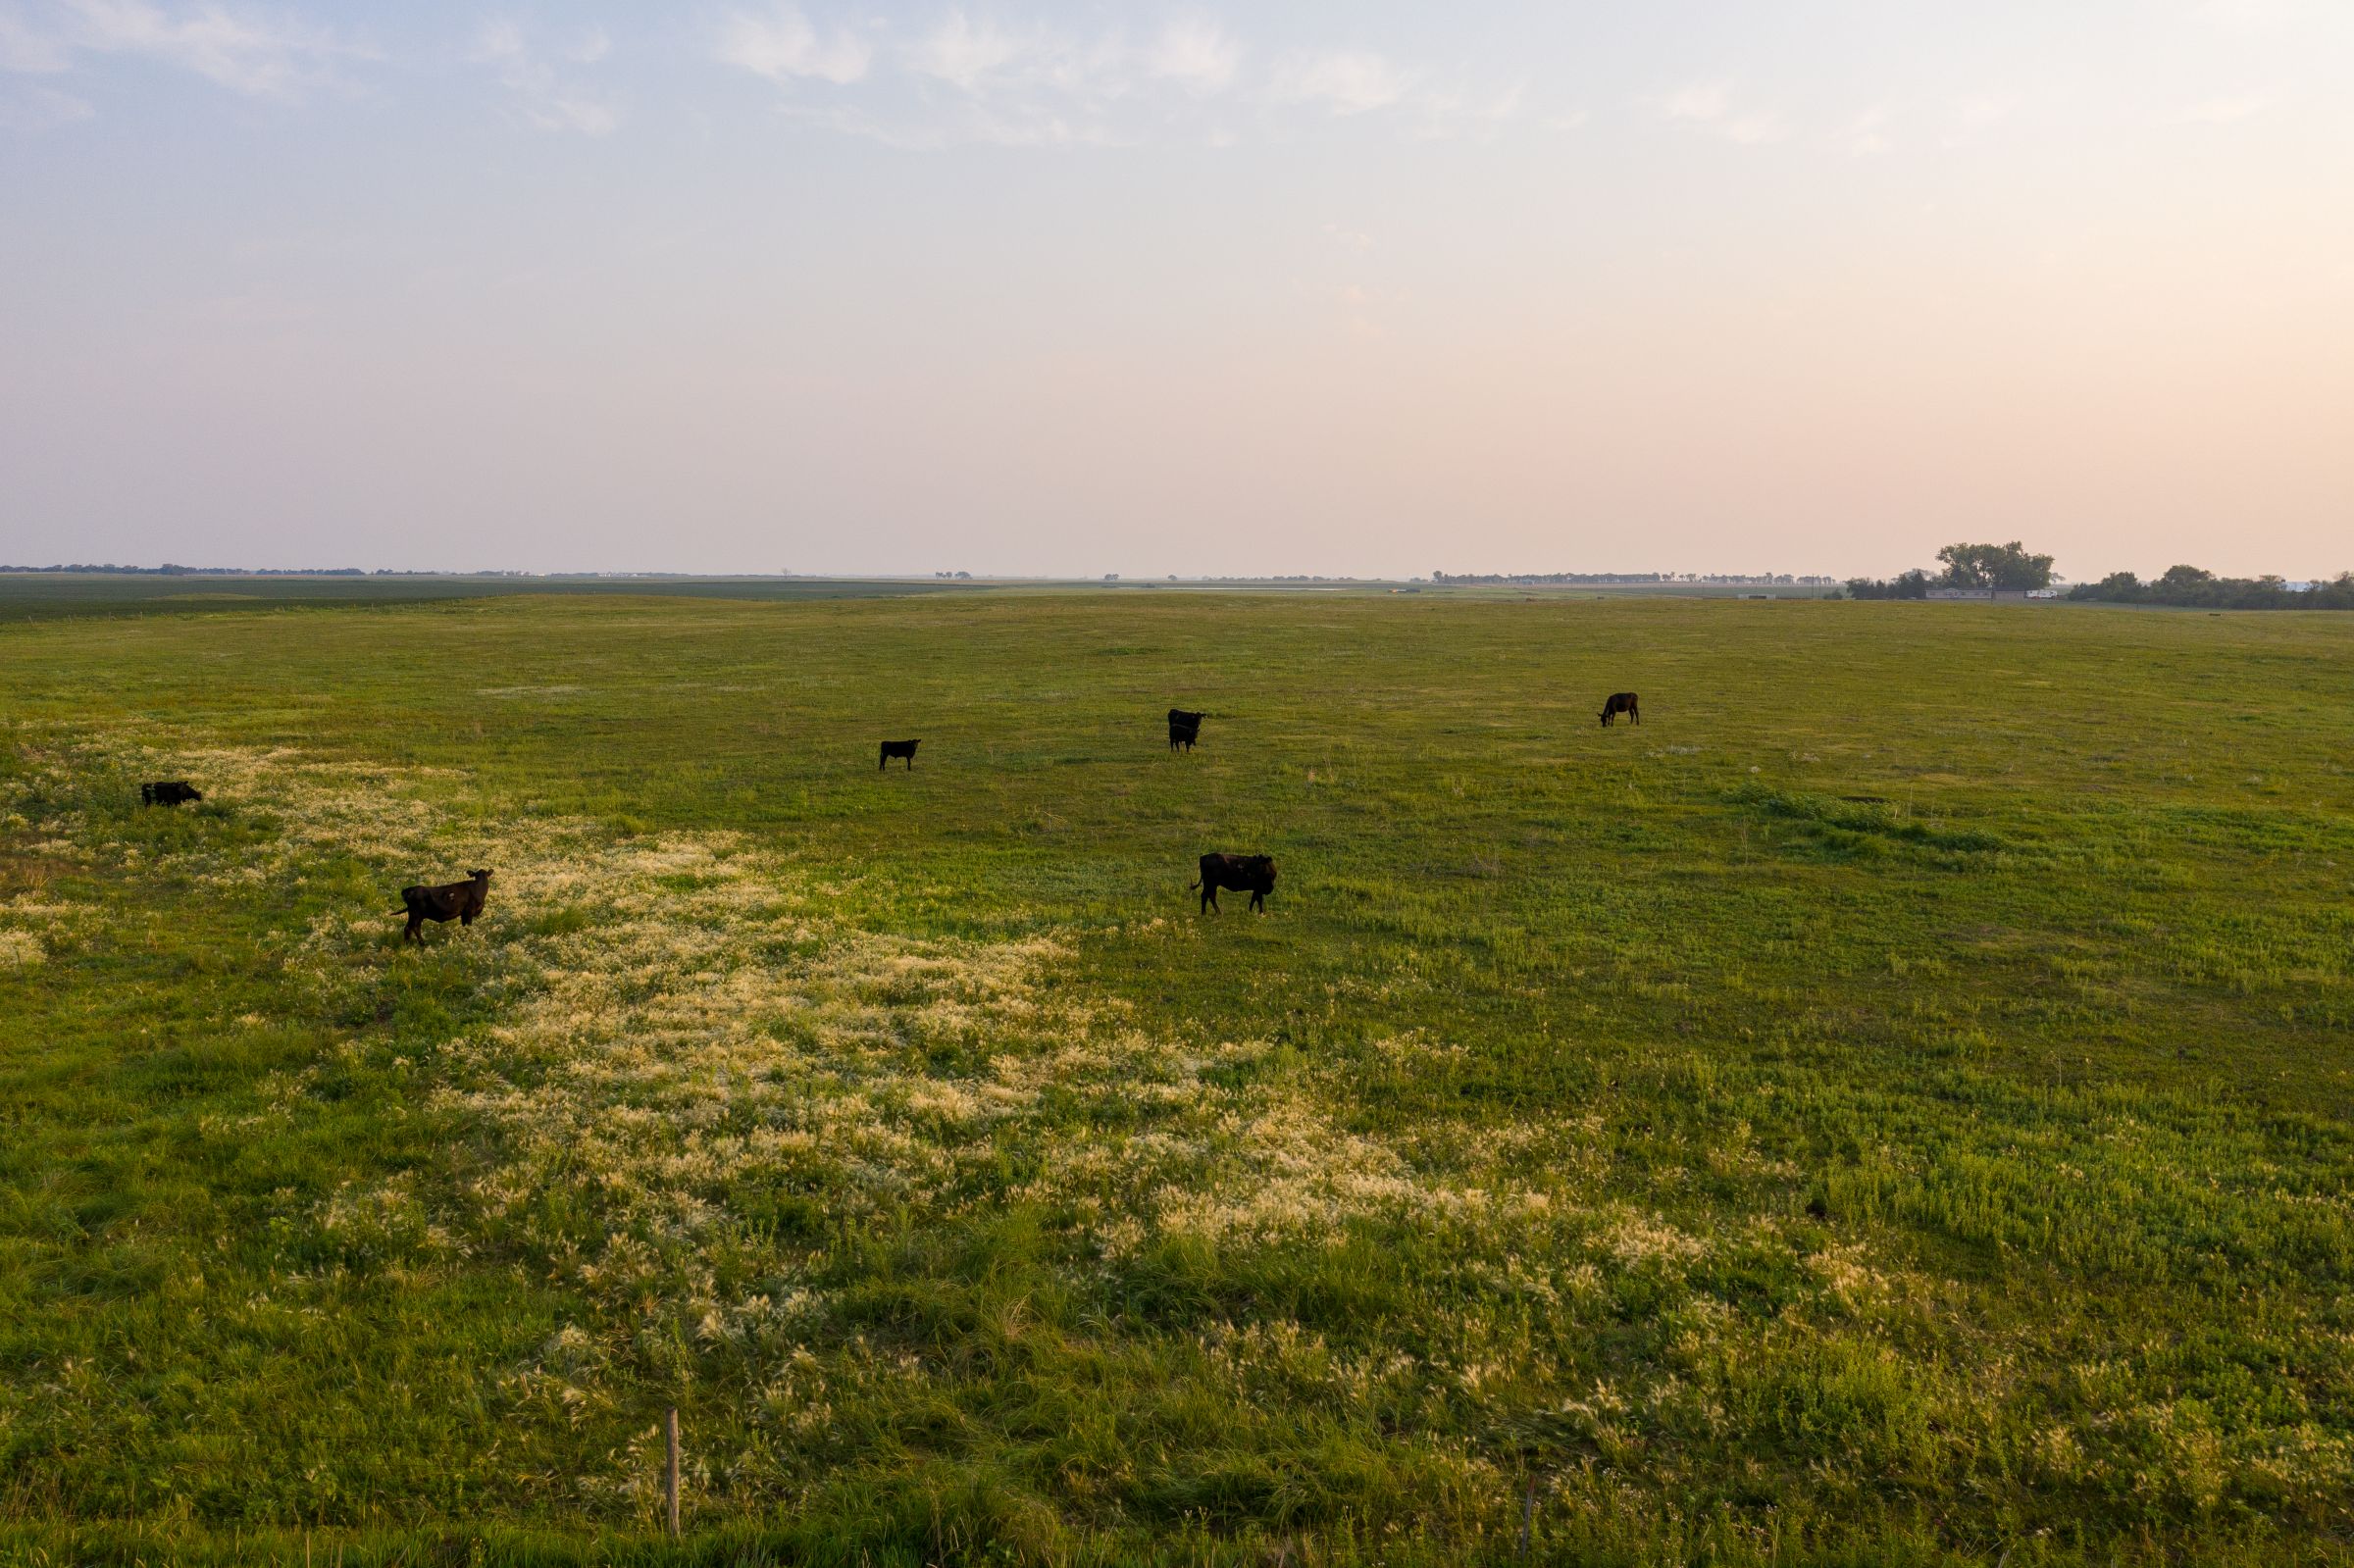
<point>782,45</point>
<point>263,56</point>
<point>1007,84</point>
<point>1865,135</point>
<point>985,57</point>
<point>1446,116</point>
<point>1198,54</point>
<point>28,49</point>
<point>966,53</point>
<point>34,109</point>
<point>1345,83</point>
<point>1711,106</point>
<point>971,125</point>
<point>1010,81</point>
<point>546,99</point>
<point>496,39</point>
<point>1703,103</point>
<point>972,74</point>
<point>1363,309</point>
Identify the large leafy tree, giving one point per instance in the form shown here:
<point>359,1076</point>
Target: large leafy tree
<point>1994,566</point>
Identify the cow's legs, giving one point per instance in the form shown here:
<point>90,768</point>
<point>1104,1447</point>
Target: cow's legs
<point>1258,904</point>
<point>1209,899</point>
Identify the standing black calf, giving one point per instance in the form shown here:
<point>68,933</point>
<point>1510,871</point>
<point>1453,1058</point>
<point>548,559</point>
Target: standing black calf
<point>170,794</point>
<point>460,902</point>
<point>1184,727</point>
<point>1620,703</point>
<point>898,748</point>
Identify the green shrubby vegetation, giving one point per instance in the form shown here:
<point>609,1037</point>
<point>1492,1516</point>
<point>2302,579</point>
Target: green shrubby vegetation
<point>2009,567</point>
<point>1913,585</point>
<point>2003,567</point>
<point>1892,1107</point>
<point>2191,587</point>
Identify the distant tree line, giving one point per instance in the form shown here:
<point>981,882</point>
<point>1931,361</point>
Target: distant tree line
<point>2006,567</point>
<point>1531,579</point>
<point>2194,589</point>
<point>1549,577</point>
<point>1914,585</point>
<point>2010,567</point>
<point>170,569</point>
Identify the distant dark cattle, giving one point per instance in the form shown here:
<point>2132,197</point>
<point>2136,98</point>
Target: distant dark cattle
<point>1184,727</point>
<point>1620,703</point>
<point>172,794</point>
<point>460,902</point>
<point>898,748</point>
<point>1244,874</point>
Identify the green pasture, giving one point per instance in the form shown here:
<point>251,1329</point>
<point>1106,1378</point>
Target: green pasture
<point>64,595</point>
<point>1896,1105</point>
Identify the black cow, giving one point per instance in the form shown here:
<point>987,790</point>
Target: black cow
<point>460,902</point>
<point>1244,874</point>
<point>898,748</point>
<point>1184,727</point>
<point>1620,703</point>
<point>172,792</point>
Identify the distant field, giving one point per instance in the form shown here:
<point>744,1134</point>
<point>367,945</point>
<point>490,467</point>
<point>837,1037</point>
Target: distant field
<point>47,596</point>
<point>1895,1106</point>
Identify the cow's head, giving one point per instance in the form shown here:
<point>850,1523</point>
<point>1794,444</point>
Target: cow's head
<point>1262,870</point>
<point>480,875</point>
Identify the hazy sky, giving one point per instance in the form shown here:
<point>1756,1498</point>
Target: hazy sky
<point>1366,287</point>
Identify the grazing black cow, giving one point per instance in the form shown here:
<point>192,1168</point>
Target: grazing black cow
<point>1244,874</point>
<point>460,902</point>
<point>898,748</point>
<point>1620,703</point>
<point>1184,727</point>
<point>170,794</point>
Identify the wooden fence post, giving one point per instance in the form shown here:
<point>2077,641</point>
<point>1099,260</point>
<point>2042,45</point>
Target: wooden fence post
<point>669,1468</point>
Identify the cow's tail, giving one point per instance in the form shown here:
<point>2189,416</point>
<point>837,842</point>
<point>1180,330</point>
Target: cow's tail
<point>1191,886</point>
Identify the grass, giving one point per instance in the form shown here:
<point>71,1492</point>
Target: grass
<point>61,595</point>
<point>1893,1106</point>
